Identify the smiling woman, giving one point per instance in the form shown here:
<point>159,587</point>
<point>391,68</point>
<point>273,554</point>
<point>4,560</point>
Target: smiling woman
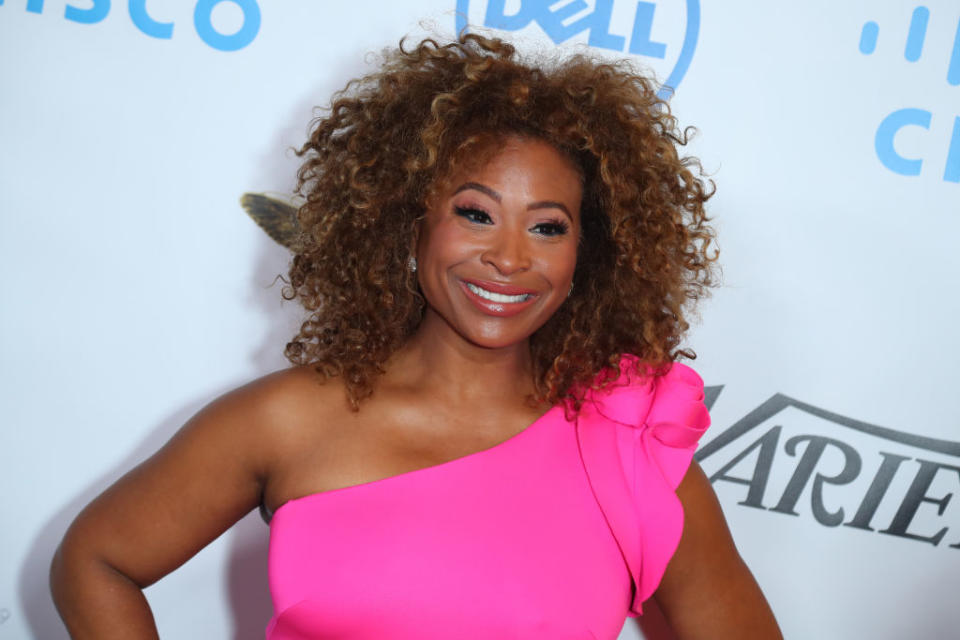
<point>497,247</point>
<point>486,433</point>
<point>645,248</point>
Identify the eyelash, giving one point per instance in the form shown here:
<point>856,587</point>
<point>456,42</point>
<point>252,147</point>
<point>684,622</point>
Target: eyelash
<point>553,227</point>
<point>471,214</point>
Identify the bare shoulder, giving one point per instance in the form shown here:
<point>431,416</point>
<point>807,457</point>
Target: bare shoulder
<point>282,405</point>
<point>208,476</point>
<point>288,392</point>
<point>260,422</point>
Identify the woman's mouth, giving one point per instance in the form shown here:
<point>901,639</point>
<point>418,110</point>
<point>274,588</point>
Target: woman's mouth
<point>497,299</point>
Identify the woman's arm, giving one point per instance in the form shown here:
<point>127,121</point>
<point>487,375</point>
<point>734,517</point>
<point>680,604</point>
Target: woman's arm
<point>707,591</point>
<point>161,513</point>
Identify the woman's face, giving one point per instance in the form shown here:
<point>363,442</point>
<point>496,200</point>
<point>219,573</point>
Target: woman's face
<point>498,246</point>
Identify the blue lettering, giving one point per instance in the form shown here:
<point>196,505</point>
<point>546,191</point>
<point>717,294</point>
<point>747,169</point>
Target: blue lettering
<point>217,40</point>
<point>146,24</point>
<point>868,37</point>
<point>597,23</point>
<point>35,6</point>
<point>640,42</point>
<point>497,19</point>
<point>918,31</point>
<point>599,34</point>
<point>953,71</point>
<point>552,21</point>
<point>952,172</point>
<point>883,142</point>
<point>94,14</point>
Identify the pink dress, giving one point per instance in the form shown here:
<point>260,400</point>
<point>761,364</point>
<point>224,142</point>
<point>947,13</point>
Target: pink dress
<point>559,532</point>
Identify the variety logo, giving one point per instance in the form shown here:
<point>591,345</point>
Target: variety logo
<point>156,28</point>
<point>792,458</point>
<point>663,34</point>
<point>897,120</point>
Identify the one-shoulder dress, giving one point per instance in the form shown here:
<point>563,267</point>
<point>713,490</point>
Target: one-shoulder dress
<point>559,532</point>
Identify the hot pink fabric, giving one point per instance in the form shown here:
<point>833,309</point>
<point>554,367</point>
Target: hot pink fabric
<point>559,532</point>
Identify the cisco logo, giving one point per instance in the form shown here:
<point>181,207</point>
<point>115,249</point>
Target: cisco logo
<point>888,128</point>
<point>663,35</point>
<point>153,26</point>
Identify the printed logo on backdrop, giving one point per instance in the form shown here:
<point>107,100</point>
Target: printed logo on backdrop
<point>209,17</point>
<point>661,35</point>
<point>918,115</point>
<point>791,458</point>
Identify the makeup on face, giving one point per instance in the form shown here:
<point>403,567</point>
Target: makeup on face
<point>498,246</point>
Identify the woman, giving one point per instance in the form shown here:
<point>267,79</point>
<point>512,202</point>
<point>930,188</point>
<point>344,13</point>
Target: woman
<point>486,434</point>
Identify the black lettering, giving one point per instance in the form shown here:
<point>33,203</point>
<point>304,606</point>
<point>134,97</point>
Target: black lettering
<point>878,489</point>
<point>801,476</point>
<point>761,471</point>
<point>917,495</point>
<point>771,407</point>
<point>710,395</point>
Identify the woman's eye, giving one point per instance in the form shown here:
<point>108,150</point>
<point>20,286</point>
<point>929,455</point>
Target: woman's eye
<point>472,214</point>
<point>551,228</point>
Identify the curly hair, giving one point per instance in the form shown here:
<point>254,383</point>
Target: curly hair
<point>389,138</point>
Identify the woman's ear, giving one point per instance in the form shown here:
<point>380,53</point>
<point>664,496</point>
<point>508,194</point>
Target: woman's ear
<point>414,245</point>
<point>415,238</point>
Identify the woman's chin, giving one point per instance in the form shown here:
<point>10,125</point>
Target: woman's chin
<point>497,339</point>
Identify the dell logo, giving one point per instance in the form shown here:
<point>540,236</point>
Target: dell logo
<point>638,28</point>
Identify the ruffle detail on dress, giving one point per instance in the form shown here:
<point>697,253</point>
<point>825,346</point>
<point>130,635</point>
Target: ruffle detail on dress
<point>651,426</point>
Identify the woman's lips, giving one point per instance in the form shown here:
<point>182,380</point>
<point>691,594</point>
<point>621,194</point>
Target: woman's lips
<point>480,292</point>
<point>496,287</point>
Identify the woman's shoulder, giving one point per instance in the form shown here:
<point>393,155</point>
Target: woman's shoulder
<point>647,422</point>
<point>286,398</point>
<point>288,388</point>
<point>272,419</point>
<point>273,411</point>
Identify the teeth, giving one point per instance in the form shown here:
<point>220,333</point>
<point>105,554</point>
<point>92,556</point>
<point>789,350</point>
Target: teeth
<point>496,297</point>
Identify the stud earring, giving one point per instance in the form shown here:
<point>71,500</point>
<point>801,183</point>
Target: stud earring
<point>412,264</point>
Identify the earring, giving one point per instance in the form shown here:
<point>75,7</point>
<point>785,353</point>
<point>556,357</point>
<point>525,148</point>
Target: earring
<point>571,289</point>
<point>412,264</point>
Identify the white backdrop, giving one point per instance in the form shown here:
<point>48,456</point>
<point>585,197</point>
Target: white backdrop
<point>135,289</point>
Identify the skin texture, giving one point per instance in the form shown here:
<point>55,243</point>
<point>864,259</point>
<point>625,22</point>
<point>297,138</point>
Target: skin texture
<point>707,591</point>
<point>461,383</point>
<point>481,228</point>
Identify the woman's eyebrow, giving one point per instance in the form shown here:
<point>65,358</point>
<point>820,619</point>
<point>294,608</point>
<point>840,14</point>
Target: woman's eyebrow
<point>479,187</point>
<point>550,204</point>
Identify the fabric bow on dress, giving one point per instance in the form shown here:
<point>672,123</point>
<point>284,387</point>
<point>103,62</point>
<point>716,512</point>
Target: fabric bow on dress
<point>651,427</point>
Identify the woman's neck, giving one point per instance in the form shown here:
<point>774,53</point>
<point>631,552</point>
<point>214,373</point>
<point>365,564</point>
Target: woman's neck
<point>438,360</point>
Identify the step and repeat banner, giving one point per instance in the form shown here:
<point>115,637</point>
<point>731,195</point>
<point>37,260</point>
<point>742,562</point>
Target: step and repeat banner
<point>135,288</point>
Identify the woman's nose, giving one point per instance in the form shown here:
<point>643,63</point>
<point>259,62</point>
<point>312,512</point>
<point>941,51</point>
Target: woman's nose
<point>507,253</point>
